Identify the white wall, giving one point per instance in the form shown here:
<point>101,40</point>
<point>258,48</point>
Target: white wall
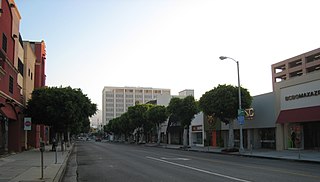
<point>310,92</point>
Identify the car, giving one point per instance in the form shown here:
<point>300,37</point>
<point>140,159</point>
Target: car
<point>98,139</point>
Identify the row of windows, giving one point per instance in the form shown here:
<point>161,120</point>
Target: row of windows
<point>109,95</point>
<point>4,42</point>
<point>148,96</point>
<point>129,105</point>
<point>119,110</point>
<point>11,84</point>
<point>20,66</point>
<point>119,95</point>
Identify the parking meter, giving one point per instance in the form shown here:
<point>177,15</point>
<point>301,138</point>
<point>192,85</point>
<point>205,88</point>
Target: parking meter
<point>42,149</point>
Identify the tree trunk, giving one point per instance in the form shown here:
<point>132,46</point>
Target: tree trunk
<point>62,141</point>
<point>185,136</point>
<point>159,134</point>
<point>231,136</point>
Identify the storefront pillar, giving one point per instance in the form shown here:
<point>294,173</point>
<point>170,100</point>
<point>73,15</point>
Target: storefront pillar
<point>280,137</point>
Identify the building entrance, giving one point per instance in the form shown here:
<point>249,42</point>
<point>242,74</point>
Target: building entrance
<point>311,132</point>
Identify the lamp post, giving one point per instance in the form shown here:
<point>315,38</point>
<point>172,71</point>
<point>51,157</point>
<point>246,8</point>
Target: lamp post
<point>239,92</point>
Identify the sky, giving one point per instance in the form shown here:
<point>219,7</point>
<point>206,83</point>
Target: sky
<point>173,44</point>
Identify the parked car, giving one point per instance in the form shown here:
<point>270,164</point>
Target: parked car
<point>98,139</point>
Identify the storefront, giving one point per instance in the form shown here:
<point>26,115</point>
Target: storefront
<point>196,130</point>
<point>298,122</point>
<point>197,135</point>
<point>259,129</point>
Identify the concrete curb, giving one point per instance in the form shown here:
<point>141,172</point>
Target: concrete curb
<point>63,167</point>
<point>241,155</point>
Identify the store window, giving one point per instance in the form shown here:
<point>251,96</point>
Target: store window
<point>295,136</point>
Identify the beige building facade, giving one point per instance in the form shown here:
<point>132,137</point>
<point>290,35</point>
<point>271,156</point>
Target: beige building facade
<point>29,69</point>
<point>117,100</point>
<point>296,84</point>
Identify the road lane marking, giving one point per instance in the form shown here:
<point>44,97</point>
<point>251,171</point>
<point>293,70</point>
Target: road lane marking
<point>174,158</point>
<point>200,170</point>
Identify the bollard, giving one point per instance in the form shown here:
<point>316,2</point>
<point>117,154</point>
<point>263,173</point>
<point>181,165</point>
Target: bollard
<point>56,157</point>
<point>299,153</point>
<point>251,149</point>
<point>42,148</point>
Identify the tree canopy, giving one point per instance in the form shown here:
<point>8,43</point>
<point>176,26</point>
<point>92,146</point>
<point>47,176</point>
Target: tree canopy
<point>223,102</point>
<point>183,110</point>
<point>63,108</point>
<point>157,114</point>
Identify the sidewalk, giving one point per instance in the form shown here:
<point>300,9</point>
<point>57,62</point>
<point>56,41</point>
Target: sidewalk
<point>293,155</point>
<point>26,166</point>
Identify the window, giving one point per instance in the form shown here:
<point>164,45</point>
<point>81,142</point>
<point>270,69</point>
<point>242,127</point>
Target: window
<point>20,66</point>
<point>4,42</point>
<point>31,76</point>
<point>11,84</point>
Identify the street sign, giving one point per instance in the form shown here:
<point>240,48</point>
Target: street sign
<point>241,120</point>
<point>241,112</point>
<point>27,124</point>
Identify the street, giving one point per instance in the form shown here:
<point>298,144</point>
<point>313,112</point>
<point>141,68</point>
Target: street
<point>100,161</point>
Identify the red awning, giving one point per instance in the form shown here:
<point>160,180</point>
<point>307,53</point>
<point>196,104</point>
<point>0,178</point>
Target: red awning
<point>9,112</point>
<point>307,114</point>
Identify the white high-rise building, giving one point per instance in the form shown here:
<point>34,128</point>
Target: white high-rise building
<point>116,100</point>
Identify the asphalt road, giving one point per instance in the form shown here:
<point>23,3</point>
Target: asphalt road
<point>99,161</point>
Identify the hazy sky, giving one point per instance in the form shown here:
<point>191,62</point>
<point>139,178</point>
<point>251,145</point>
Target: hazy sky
<point>172,44</point>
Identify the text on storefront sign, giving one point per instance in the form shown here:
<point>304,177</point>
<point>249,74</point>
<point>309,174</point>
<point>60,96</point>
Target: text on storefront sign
<point>303,95</point>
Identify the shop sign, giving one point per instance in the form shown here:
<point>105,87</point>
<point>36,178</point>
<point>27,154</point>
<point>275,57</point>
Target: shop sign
<point>249,113</point>
<point>27,124</point>
<point>197,128</point>
<point>302,95</point>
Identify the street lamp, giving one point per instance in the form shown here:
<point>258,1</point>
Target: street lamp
<point>239,92</point>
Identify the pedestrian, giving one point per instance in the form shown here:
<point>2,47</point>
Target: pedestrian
<point>54,144</point>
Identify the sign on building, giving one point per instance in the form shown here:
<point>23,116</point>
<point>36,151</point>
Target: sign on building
<point>27,124</point>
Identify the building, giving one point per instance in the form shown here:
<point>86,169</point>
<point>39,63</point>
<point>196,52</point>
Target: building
<point>296,84</point>
<point>95,120</point>
<point>117,100</point>
<point>38,132</point>
<point>196,131</point>
<point>186,92</point>
<point>259,130</point>
<point>29,69</point>
<point>11,79</point>
<point>22,68</point>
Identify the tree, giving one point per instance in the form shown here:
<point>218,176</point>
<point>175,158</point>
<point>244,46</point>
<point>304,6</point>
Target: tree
<point>63,108</point>
<point>222,102</point>
<point>157,115</point>
<point>184,111</point>
<point>137,115</point>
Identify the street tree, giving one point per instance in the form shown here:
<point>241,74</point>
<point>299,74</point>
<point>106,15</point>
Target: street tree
<point>137,115</point>
<point>157,115</point>
<point>184,111</point>
<point>63,108</point>
<point>222,102</point>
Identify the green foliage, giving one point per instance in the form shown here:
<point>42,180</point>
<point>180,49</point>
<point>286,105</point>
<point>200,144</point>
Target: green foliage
<point>137,115</point>
<point>157,114</point>
<point>183,110</point>
<point>63,108</point>
<point>223,102</point>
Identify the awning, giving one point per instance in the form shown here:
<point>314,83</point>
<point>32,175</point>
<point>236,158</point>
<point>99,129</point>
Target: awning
<point>306,114</point>
<point>9,112</point>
